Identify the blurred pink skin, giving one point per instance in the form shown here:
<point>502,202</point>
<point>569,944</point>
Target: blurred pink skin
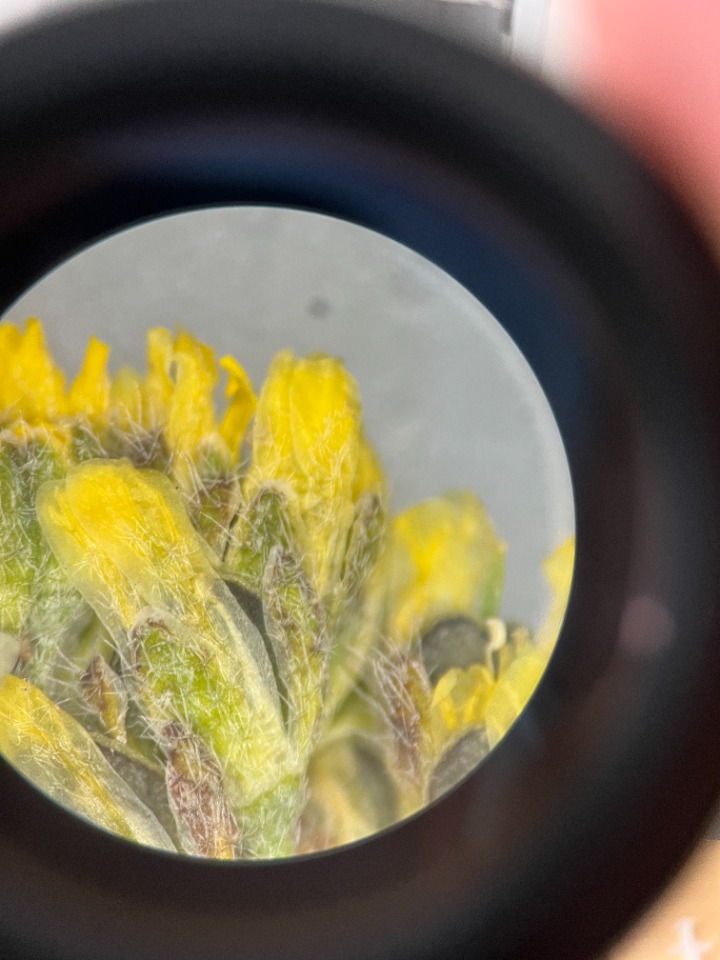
<point>651,68</point>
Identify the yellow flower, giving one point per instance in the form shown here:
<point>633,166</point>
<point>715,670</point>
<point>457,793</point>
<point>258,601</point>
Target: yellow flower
<point>519,678</point>
<point>369,476</point>
<point>459,702</point>
<point>307,438</point>
<point>445,559</point>
<point>52,750</point>
<point>242,403</point>
<point>176,397</point>
<point>512,692</point>
<point>125,541</point>
<point>158,387</point>
<point>249,612</point>
<point>126,400</point>
<point>32,390</point>
<point>191,411</point>
<point>124,537</point>
<point>434,736</point>
<point>89,394</point>
<point>558,570</point>
<point>457,725</point>
<point>32,387</point>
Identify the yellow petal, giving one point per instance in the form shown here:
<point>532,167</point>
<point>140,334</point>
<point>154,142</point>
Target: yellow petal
<point>34,388</point>
<point>524,665</point>
<point>9,338</point>
<point>459,702</point>
<point>90,392</point>
<point>325,422</point>
<point>53,751</point>
<point>191,412</point>
<point>241,406</point>
<point>445,560</point>
<point>307,436</point>
<point>558,569</point>
<point>369,476</point>
<point>126,399</point>
<point>43,381</point>
<point>103,584</point>
<point>512,692</point>
<point>272,447</point>
<point>9,343</point>
<point>325,425</point>
<point>158,386</point>
<point>123,535</point>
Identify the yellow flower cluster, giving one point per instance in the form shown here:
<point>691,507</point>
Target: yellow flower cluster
<point>477,696</point>
<point>445,568</point>
<point>224,601</point>
<point>175,396</point>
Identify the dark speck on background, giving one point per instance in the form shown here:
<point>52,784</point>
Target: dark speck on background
<point>319,308</point>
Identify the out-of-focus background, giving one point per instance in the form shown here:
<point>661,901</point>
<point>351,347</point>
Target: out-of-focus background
<point>558,39</point>
<point>518,27</point>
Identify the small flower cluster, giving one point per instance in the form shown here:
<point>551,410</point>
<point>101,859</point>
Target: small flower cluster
<point>215,638</point>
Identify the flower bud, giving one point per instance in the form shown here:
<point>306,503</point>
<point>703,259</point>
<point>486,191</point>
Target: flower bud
<point>53,751</point>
